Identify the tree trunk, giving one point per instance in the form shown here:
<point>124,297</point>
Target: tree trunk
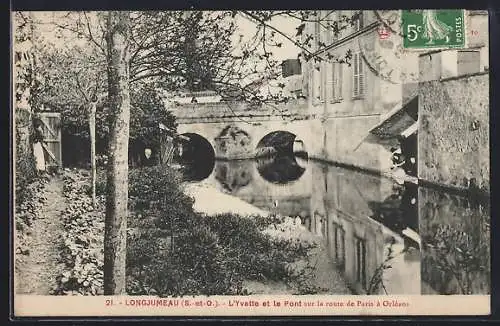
<point>92,151</point>
<point>115,236</point>
<point>23,81</point>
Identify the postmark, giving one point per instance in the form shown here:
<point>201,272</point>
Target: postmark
<point>429,28</point>
<point>383,52</point>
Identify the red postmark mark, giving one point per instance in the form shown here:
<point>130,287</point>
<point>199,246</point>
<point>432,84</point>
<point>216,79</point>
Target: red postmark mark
<point>383,32</point>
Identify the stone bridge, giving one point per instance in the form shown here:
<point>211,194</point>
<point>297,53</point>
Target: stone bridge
<point>220,130</point>
<point>236,130</point>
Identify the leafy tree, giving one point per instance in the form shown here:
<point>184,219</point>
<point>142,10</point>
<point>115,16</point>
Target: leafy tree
<point>26,82</point>
<point>148,112</point>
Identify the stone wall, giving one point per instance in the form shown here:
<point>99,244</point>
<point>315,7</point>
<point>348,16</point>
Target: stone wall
<point>345,143</point>
<point>454,131</point>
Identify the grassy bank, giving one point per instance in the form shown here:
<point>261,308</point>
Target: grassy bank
<point>172,249</point>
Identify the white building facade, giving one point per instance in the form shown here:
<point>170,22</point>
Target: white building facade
<point>359,78</point>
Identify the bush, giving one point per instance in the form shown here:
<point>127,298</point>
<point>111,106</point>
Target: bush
<point>157,190</point>
<point>82,253</point>
<point>211,256</point>
<point>25,176</point>
<point>172,250</point>
<point>29,202</point>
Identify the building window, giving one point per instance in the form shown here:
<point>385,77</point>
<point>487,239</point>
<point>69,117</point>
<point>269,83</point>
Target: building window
<point>324,227</point>
<point>358,78</point>
<point>360,254</point>
<point>317,29</point>
<point>339,242</point>
<point>333,27</point>
<point>336,26</point>
<point>322,91</point>
<point>358,20</point>
<point>316,83</point>
<point>336,81</point>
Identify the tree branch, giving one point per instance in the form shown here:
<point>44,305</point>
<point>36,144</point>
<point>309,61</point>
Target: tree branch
<point>262,22</point>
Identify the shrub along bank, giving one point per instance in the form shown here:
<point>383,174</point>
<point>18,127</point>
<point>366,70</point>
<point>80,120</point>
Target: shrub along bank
<point>30,197</point>
<point>82,246</point>
<point>171,249</point>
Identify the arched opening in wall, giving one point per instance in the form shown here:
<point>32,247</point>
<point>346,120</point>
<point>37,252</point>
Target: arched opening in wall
<point>196,156</point>
<point>281,157</point>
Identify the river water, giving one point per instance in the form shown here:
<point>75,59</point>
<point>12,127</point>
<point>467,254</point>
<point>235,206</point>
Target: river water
<point>383,237</point>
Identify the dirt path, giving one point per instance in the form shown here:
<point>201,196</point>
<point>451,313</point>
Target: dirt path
<point>37,271</point>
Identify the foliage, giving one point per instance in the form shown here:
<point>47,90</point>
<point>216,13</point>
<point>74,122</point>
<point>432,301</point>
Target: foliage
<point>147,113</point>
<point>199,56</point>
<point>177,251</point>
<point>188,50</point>
<point>26,84</point>
<point>25,174</point>
<point>82,242</point>
<point>211,258</point>
<point>176,50</point>
<point>173,250</point>
<point>158,189</point>
<point>376,282</point>
<point>30,197</point>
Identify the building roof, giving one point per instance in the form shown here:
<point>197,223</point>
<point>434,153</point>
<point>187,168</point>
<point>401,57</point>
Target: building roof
<point>400,121</point>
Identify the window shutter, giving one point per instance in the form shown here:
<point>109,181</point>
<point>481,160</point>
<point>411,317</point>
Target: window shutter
<point>333,81</point>
<point>318,83</point>
<point>312,93</point>
<point>339,80</point>
<point>355,81</point>
<point>361,76</point>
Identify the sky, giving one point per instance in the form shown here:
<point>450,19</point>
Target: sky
<point>246,28</point>
<point>286,25</point>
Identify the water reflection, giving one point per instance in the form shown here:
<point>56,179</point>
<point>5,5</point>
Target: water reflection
<point>280,169</point>
<point>384,238</point>
<point>233,175</point>
<point>399,212</point>
<point>455,244</point>
<point>360,218</point>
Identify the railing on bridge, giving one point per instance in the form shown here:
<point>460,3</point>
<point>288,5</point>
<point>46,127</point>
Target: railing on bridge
<point>230,110</point>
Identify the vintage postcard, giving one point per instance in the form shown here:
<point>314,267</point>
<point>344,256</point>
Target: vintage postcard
<point>251,163</point>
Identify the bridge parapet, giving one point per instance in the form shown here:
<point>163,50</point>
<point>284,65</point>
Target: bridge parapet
<point>228,111</point>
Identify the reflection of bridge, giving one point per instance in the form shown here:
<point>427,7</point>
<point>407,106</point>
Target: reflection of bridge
<point>236,130</point>
<point>242,179</point>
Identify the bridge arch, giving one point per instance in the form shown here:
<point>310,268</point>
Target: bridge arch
<point>276,154</point>
<point>281,142</point>
<point>197,154</point>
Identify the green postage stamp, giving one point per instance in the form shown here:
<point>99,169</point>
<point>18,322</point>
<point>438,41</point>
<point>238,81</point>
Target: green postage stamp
<point>433,28</point>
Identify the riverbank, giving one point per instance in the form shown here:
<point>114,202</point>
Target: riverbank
<point>317,267</point>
